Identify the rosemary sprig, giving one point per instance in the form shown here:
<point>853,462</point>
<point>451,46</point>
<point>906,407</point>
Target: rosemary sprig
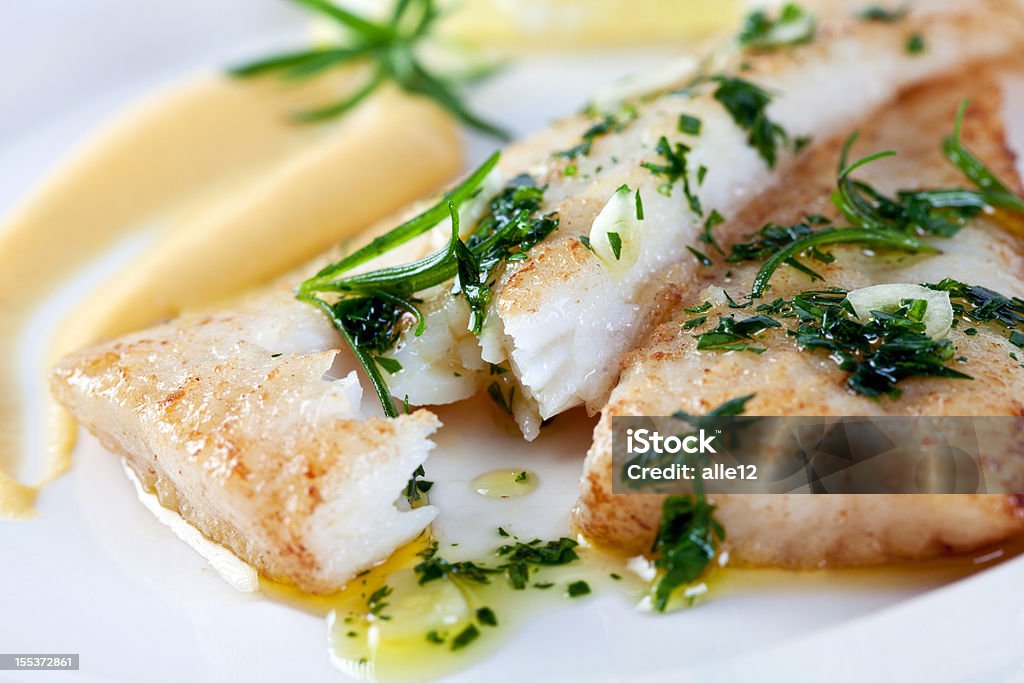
<point>389,47</point>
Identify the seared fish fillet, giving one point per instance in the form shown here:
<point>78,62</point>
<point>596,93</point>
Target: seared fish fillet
<point>233,419</point>
<point>670,374</point>
<point>563,318</point>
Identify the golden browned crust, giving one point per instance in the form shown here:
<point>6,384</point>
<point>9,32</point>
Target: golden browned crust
<point>669,374</point>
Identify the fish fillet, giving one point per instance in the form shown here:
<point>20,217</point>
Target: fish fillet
<point>561,319</point>
<point>236,422</point>
<point>668,374</point>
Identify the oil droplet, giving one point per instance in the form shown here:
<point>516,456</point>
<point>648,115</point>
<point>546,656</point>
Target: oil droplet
<point>506,483</point>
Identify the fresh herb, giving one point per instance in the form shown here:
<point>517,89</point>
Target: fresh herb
<point>416,485</point>
<point>703,259</point>
<point>971,331</point>
<point>502,532</point>
<point>881,14</point>
<point>543,586</point>
<point>370,324</point>
<point>467,636</point>
<point>915,44</point>
<point>673,170</point>
<point>695,322</point>
<point>748,105</point>
<point>687,541</point>
<point>376,600</point>
<point>793,26</point>
<point>389,365</point>
<point>771,238</point>
<point>391,49</point>
<point>373,307</point>
<point>735,335</point>
<point>639,207</point>
<point>522,477</point>
<point>1017,339</point>
<point>436,637</point>
<point>994,192</point>
<point>615,241</point>
<point>486,616</point>
<point>934,212</point>
<point>983,305</point>
<point>881,239</point>
<point>433,567</point>
<point>713,220</point>
<point>615,577</point>
<point>519,557</point>
<point>577,588</point>
<point>615,122</point>
<point>585,241</point>
<point>878,354</point>
<point>690,125</point>
<point>700,308</point>
<point>498,396</point>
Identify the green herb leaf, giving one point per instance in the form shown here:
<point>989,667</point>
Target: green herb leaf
<point>390,48</point>
<point>689,125</point>
<point>915,44</point>
<point>686,543</point>
<point>467,636</point>
<point>577,589</point>
<point>793,26</point>
<point>748,105</point>
<point>616,244</point>
<point>994,192</point>
<point>881,14</point>
<point>733,335</point>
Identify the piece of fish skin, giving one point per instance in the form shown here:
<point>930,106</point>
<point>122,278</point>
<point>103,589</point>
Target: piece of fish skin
<point>669,374</point>
<point>234,420</point>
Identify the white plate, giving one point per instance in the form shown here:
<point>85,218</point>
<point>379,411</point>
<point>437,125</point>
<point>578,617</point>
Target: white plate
<point>96,574</point>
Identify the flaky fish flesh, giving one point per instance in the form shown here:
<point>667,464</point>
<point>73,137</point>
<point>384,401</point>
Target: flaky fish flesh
<point>670,374</point>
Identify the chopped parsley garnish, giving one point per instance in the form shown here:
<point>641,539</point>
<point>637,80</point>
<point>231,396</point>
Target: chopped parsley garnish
<point>748,104</point>
<point>793,26</point>
<point>577,588</point>
<point>980,304</point>
<point>465,637</point>
<point>498,396</point>
<point>713,220</point>
<point>915,44</point>
<point>703,259</point>
<point>376,600</point>
<point>436,637</point>
<point>520,556</point>
<point>486,616</point>
<point>687,541</point>
<point>522,477</point>
<point>882,14</point>
<point>695,322</point>
<point>673,170</point>
<point>1017,339</point>
<point>735,335</point>
<point>371,309</point>
<point>416,485</point>
<point>615,241</point>
<point>391,48</point>
<point>434,567</point>
<point>689,125</point>
<point>878,354</point>
<point>608,123</point>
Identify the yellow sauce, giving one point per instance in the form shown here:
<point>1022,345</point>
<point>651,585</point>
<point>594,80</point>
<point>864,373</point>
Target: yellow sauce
<point>238,192</point>
<point>506,483</point>
<point>393,644</point>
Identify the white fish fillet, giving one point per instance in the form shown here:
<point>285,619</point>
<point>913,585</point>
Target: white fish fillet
<point>669,374</point>
<point>234,420</point>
